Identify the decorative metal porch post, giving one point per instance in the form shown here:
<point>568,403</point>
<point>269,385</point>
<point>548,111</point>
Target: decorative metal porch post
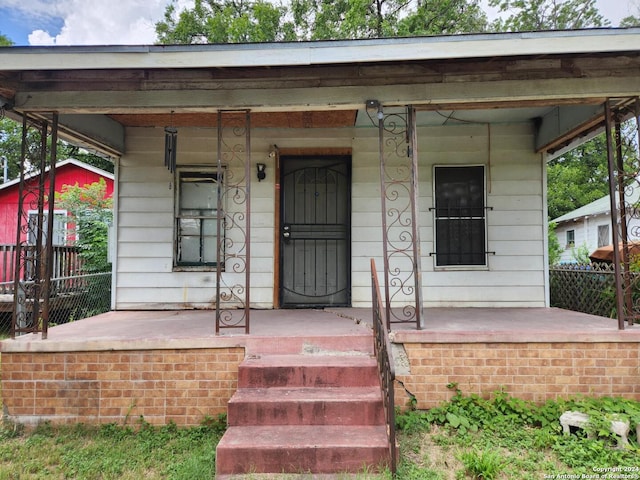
<point>400,233</point>
<point>233,257</point>
<point>623,180</point>
<point>34,254</point>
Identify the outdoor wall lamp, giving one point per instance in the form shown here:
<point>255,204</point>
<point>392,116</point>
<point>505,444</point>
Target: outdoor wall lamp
<point>261,171</point>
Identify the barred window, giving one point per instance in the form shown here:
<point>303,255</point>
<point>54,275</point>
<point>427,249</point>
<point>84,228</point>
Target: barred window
<point>460,216</point>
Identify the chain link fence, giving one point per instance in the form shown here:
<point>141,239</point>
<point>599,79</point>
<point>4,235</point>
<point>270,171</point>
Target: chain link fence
<point>72,298</point>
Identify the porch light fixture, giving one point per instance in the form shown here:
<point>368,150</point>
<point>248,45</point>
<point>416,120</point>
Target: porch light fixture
<point>374,105</point>
<point>261,171</point>
<point>170,146</point>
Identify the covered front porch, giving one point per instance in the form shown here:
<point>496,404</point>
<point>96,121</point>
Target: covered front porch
<point>171,366</point>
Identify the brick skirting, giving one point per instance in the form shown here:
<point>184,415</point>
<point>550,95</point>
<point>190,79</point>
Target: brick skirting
<point>182,386</point>
<point>531,371</point>
<point>185,385</point>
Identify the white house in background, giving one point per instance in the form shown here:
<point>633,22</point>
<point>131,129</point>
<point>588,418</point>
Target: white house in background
<point>590,226</point>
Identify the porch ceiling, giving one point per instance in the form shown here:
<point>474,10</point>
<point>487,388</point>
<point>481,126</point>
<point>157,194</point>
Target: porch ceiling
<point>338,118</point>
<point>312,119</point>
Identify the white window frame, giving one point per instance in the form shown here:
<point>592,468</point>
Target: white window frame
<point>58,233</point>
<point>571,238</point>
<point>207,243</point>
<point>603,235</point>
<point>436,220</point>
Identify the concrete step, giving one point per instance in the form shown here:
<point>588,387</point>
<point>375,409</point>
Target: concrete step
<point>315,449</point>
<point>306,406</point>
<point>308,371</point>
<point>351,344</point>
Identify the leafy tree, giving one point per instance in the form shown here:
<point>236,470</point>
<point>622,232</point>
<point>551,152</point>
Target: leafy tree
<point>260,21</point>
<point>66,150</point>
<point>346,19</point>
<point>444,17</point>
<point>535,15</point>
<point>578,177</point>
<point>580,254</point>
<point>5,41</point>
<point>11,147</point>
<point>91,211</point>
<point>227,21</point>
<point>630,21</point>
<point>555,250</point>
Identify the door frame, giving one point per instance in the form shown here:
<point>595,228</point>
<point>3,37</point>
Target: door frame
<point>277,238</point>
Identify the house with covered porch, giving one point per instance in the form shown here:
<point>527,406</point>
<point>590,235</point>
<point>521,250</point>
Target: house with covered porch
<point>254,184</point>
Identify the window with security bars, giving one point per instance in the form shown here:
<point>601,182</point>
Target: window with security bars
<point>197,218</point>
<point>460,216</point>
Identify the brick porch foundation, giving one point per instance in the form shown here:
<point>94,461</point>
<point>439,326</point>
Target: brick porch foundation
<point>531,371</point>
<point>182,386</point>
<point>169,366</point>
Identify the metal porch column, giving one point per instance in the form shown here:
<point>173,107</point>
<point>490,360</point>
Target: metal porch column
<point>233,256</point>
<point>400,233</point>
<point>34,254</point>
<point>623,179</point>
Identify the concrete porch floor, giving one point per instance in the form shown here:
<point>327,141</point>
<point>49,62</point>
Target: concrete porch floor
<point>331,328</point>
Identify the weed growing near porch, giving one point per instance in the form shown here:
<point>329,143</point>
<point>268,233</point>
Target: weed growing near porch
<point>110,451</point>
<point>467,438</point>
<point>505,437</point>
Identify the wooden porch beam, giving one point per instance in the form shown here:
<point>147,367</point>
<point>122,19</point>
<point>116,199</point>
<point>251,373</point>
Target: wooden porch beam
<point>326,98</point>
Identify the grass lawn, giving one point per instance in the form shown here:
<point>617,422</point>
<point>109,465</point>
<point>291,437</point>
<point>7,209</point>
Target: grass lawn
<point>468,437</point>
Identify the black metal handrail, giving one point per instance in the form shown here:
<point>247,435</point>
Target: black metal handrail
<point>386,370</point>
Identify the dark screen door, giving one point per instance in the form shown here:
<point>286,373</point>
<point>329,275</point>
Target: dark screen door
<point>315,226</point>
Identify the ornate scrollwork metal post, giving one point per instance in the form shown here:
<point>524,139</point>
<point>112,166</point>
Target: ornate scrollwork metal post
<point>234,221</point>
<point>399,195</point>
<point>624,185</point>
<point>34,240</point>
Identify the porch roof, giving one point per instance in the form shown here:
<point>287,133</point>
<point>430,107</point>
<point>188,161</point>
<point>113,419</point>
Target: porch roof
<point>558,79</point>
<point>300,331</point>
<point>320,52</point>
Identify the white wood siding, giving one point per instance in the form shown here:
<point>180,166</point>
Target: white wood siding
<point>514,276</point>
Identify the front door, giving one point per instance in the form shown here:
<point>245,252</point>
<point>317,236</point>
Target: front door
<point>315,257</point>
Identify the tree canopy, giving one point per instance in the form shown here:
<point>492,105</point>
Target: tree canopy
<point>5,41</point>
<point>229,21</point>
<point>578,177</point>
<point>11,149</point>
<point>92,213</point>
<point>239,21</point>
<point>233,21</point>
<point>535,15</point>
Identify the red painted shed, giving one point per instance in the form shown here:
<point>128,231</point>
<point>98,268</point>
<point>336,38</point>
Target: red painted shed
<point>68,172</point>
